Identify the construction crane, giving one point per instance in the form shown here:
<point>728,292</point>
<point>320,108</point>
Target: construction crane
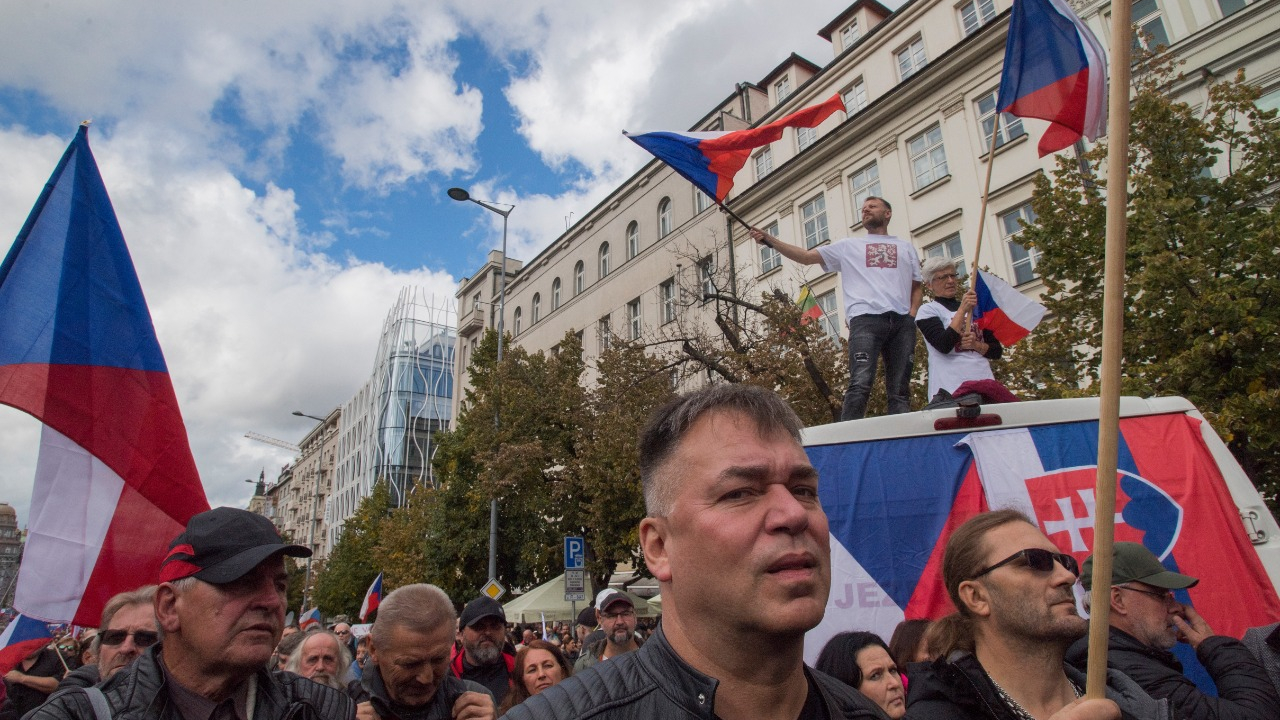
<point>272,441</point>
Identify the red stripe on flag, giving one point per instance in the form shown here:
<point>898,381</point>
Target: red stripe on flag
<point>929,601</point>
<point>1063,104</point>
<point>1006,331</point>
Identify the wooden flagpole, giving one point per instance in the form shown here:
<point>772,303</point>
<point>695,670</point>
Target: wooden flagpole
<point>1112,346</point>
<point>982,212</point>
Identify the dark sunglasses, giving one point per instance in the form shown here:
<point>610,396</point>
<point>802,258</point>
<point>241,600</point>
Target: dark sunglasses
<point>141,638</point>
<point>1037,559</point>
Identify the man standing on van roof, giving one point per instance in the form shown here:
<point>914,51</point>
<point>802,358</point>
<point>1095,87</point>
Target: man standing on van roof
<point>880,277</point>
<point>1146,622</point>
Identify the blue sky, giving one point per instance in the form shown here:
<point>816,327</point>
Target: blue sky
<point>279,169</point>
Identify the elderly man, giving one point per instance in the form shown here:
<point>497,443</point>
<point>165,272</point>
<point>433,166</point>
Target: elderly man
<point>738,542</point>
<point>482,629</point>
<point>1016,616</point>
<point>128,627</point>
<point>616,615</point>
<point>220,606</point>
<point>322,658</point>
<point>409,678</point>
<point>1146,622</point>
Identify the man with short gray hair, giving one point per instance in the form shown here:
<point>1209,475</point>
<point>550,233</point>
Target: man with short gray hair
<point>128,628</point>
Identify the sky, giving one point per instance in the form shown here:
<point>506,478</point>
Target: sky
<point>279,169</point>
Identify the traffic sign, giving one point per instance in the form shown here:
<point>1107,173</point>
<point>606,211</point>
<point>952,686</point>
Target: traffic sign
<point>575,585</point>
<point>575,553</point>
<point>493,589</point>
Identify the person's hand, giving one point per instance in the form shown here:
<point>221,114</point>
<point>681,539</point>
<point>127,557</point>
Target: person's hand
<point>1086,709</point>
<point>1192,629</point>
<point>364,711</point>
<point>474,706</point>
<point>760,236</point>
<point>13,676</point>
<point>968,302</point>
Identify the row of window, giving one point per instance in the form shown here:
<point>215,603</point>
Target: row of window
<point>669,304</point>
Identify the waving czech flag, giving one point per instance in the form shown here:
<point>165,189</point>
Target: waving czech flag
<point>1055,70</point>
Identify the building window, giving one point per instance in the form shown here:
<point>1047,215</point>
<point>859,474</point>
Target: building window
<point>830,314</point>
<point>604,259</point>
<point>664,217</point>
<point>866,183</point>
<point>770,258</point>
<point>1010,126</point>
<point>555,294</point>
<point>928,159</point>
<point>782,88</point>
<point>634,322</point>
<point>854,96</point>
<point>1024,259</point>
<point>976,13</point>
<point>667,292</point>
<point>951,249</point>
<point>805,137</point>
<point>579,278</point>
<point>707,276</point>
<point>814,215</point>
<point>535,308</point>
<point>605,331</point>
<point>518,317</point>
<point>911,58</point>
<point>764,162</point>
<point>701,201</point>
<point>1150,22</point>
<point>849,35</point>
<point>633,239</point>
<point>1231,7</point>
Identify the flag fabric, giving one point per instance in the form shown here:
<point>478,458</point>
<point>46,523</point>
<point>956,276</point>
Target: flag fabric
<point>372,599</point>
<point>309,619</point>
<point>810,310</point>
<point>1007,313</point>
<point>1055,70</point>
<point>892,505</point>
<point>23,636</point>
<point>115,479</point>
<point>709,160</point>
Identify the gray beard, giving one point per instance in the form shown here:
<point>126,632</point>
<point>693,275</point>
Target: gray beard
<point>327,680</point>
<point>620,639</point>
<point>486,655</point>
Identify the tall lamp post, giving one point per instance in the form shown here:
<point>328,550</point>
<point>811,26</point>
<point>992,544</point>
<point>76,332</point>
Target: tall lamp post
<point>463,196</point>
<point>311,522</point>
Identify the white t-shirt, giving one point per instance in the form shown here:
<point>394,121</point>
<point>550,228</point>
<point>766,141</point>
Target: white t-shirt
<point>876,273</point>
<point>948,371</point>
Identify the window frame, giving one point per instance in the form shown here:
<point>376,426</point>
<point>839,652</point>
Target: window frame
<point>927,151</point>
<point>667,300</point>
<point>946,246</point>
<point>820,232</point>
<point>917,56</point>
<point>1022,211</point>
<point>665,223</point>
<point>980,18</point>
<point>805,137</point>
<point>535,309</point>
<point>603,260</point>
<point>766,155</point>
<point>1010,125</point>
<point>633,239</point>
<point>866,188</point>
<point>770,258</point>
<point>635,319</point>
<point>579,278</point>
<point>857,92</point>
<point>555,294</point>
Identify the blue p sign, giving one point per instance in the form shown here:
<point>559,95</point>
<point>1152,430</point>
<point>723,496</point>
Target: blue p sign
<point>575,553</point>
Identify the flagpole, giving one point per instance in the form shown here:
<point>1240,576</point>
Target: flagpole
<point>1112,348</point>
<point>982,212</point>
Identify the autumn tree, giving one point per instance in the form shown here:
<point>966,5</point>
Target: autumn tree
<point>353,563</point>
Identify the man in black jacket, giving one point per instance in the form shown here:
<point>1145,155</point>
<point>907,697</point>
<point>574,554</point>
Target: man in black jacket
<point>738,542</point>
<point>220,605</point>
<point>1146,622</point>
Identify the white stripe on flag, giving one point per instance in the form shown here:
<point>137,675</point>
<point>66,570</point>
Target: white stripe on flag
<point>1005,459</point>
<point>1019,308</point>
<point>857,602</point>
<point>72,505</point>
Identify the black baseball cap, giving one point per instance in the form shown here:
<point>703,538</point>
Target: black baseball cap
<point>479,609</point>
<point>222,545</point>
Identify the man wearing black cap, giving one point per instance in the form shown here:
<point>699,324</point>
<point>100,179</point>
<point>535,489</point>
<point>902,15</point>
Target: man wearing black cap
<point>220,606</point>
<point>616,615</point>
<point>1146,622</point>
<point>483,657</point>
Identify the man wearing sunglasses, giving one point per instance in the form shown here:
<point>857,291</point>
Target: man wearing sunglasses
<point>1016,616</point>
<point>1147,621</point>
<point>128,628</point>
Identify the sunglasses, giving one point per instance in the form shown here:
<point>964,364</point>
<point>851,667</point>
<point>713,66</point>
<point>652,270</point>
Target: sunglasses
<point>141,638</point>
<point>1037,559</point>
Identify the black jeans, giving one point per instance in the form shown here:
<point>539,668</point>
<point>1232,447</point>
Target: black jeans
<point>891,336</point>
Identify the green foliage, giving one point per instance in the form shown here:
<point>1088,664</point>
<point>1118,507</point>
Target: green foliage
<point>1201,267</point>
<point>352,565</point>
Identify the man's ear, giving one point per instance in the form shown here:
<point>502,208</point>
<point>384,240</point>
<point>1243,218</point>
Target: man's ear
<point>974,596</point>
<point>166,607</point>
<point>653,543</point>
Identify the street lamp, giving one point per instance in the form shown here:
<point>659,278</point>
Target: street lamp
<point>463,196</point>
<point>299,413</point>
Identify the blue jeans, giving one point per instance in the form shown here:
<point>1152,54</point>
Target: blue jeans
<point>871,337</point>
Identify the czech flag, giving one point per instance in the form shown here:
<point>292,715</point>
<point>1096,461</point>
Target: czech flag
<point>22,637</point>
<point>371,599</point>
<point>309,619</point>
<point>115,480</point>
<point>1007,313</point>
<point>1055,70</point>
<point>709,160</point>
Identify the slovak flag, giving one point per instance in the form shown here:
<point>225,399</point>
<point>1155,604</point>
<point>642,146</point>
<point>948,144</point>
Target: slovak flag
<point>115,479</point>
<point>23,636</point>
<point>709,160</point>
<point>309,619</point>
<point>371,599</point>
<point>1055,70</point>
<point>1007,313</point>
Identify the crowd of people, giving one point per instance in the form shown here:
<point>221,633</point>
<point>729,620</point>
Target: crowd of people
<point>739,544</point>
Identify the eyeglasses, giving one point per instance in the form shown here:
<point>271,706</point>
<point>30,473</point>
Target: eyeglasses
<point>630,612</point>
<point>951,276</point>
<point>1037,559</point>
<point>141,638</point>
<point>1162,596</point>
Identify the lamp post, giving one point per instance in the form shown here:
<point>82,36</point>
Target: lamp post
<point>299,413</point>
<point>463,196</point>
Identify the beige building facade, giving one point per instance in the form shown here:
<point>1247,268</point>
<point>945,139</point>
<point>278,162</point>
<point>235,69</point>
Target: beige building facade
<point>295,502</point>
<point>919,86</point>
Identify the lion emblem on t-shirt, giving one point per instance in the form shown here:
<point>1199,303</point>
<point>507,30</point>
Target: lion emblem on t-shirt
<point>882,255</point>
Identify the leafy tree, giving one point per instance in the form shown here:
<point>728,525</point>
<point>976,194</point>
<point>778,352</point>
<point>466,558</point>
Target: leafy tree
<point>1201,266</point>
<point>353,563</point>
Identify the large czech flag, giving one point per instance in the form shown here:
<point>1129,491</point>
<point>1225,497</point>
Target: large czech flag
<point>115,479</point>
<point>1055,70</point>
